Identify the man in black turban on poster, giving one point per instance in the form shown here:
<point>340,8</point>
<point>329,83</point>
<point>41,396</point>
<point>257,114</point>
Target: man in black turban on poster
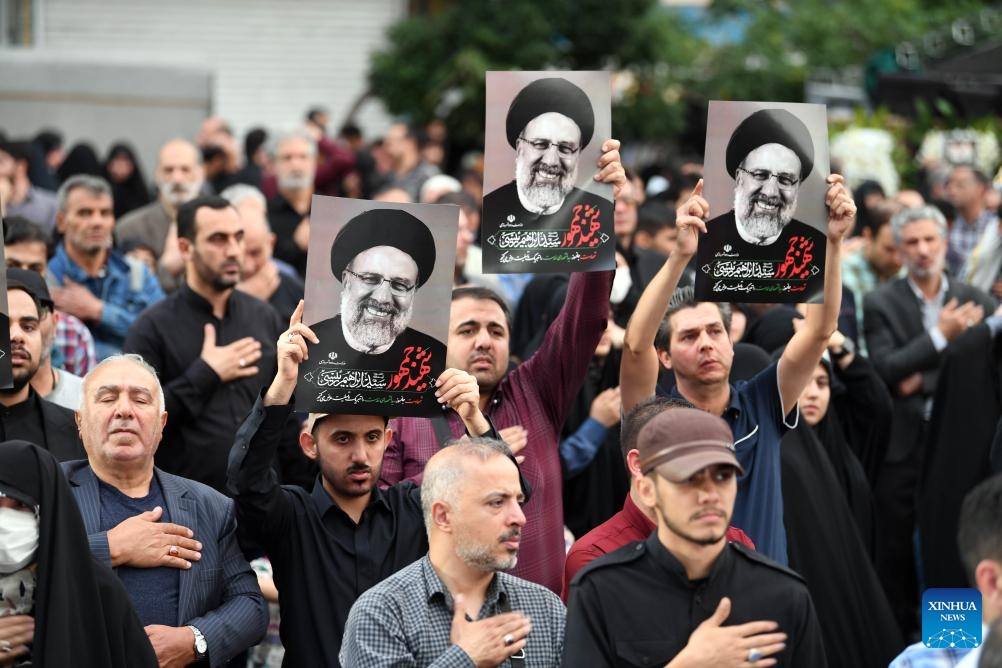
<point>548,124</point>
<point>382,257</point>
<point>769,155</point>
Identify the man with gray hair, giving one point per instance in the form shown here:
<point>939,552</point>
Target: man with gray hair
<point>179,177</point>
<point>295,164</point>
<point>456,606</point>
<point>171,540</point>
<point>97,284</point>
<point>908,323</point>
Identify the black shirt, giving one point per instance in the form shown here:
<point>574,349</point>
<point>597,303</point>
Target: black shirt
<point>322,560</point>
<point>43,423</point>
<point>637,607</point>
<point>284,220</point>
<point>286,296</point>
<point>202,412</point>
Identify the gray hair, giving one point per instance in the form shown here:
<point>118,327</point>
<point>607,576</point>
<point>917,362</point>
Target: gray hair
<point>443,475</point>
<point>240,192</point>
<point>908,216</point>
<point>95,185</point>
<point>134,359</point>
<point>299,133</point>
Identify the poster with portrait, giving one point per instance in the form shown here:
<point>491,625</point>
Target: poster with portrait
<point>765,170</point>
<point>378,294</point>
<point>543,210</point>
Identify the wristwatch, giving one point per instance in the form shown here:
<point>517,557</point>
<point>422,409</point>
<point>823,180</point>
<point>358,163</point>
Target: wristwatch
<point>848,348</point>
<point>201,647</point>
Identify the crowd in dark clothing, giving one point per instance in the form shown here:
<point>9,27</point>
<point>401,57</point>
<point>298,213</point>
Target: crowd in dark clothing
<point>873,475</point>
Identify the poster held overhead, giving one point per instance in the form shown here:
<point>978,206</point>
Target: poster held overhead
<point>543,210</point>
<point>378,293</point>
<point>765,170</point>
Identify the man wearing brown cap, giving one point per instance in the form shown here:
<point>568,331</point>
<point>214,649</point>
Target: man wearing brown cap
<point>382,258</point>
<point>549,122</point>
<point>686,596</point>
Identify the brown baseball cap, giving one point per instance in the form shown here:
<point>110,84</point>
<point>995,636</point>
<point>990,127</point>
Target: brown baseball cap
<point>682,441</point>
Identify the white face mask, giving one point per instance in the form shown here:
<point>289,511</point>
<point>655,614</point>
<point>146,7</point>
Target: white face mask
<point>621,285</point>
<point>18,539</point>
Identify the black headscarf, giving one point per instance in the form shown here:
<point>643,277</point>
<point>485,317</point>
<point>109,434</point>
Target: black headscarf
<point>82,159</point>
<point>83,616</point>
<point>132,193</point>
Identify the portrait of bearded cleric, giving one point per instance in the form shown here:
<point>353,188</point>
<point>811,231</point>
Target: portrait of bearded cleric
<point>761,250</point>
<point>551,216</point>
<point>370,358</point>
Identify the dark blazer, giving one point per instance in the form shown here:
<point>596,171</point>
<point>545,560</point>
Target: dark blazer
<point>898,346</point>
<point>62,438</point>
<point>219,594</point>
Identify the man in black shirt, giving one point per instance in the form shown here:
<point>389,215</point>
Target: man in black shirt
<point>665,601</point>
<point>330,545</point>
<point>23,414</point>
<point>210,382</point>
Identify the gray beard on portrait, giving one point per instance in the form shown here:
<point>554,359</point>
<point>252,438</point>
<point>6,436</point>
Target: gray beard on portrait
<point>548,195</point>
<point>762,225</point>
<point>372,332</point>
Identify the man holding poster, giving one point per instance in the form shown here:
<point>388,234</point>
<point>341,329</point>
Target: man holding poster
<point>369,355</point>
<point>758,251</point>
<point>542,220</point>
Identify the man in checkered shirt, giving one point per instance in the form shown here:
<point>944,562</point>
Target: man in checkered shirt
<point>455,607</point>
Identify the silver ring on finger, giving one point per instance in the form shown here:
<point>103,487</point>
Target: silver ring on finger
<point>172,550</point>
<point>509,640</point>
<point>6,647</point>
<point>754,655</point>
<point>242,362</point>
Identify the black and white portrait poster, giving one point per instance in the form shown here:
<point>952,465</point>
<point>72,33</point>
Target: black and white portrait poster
<point>378,293</point>
<point>765,170</point>
<point>543,210</point>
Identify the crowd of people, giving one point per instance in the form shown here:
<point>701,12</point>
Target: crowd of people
<point>621,475</point>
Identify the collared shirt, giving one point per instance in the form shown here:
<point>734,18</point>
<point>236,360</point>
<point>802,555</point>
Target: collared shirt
<point>126,287</point>
<point>858,275</point>
<point>931,309</point>
<point>39,206</point>
<point>920,656</point>
<point>203,411</point>
<point>322,560</point>
<point>535,395</point>
<point>755,414</point>
<point>627,526</point>
<point>405,621</point>
<point>963,237</point>
<point>638,607</point>
<point>73,345</point>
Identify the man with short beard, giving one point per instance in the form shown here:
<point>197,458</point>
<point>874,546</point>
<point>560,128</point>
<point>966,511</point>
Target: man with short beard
<point>23,414</point>
<point>769,155</point>
<point>210,382</point>
<point>295,165</point>
<point>686,596</point>
<point>97,284</point>
<point>549,123</point>
<point>456,606</point>
<point>382,258</point>
<point>179,177</point>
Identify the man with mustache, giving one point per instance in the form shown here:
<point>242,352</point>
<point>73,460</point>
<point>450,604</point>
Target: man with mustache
<point>549,123</point>
<point>330,544</point>
<point>382,258</point>
<point>24,414</point>
<point>179,177</point>
<point>769,155</point>
<point>210,382</point>
<point>456,606</point>
<point>96,283</point>
<point>686,596</point>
